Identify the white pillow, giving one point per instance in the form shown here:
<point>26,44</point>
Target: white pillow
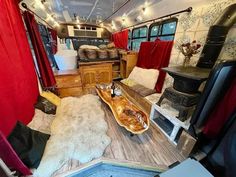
<point>89,47</point>
<point>145,77</point>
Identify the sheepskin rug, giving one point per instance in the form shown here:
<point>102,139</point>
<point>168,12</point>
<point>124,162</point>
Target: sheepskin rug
<point>77,132</point>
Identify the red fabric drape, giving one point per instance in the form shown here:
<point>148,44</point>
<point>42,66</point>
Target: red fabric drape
<point>19,86</point>
<point>46,73</point>
<point>155,55</point>
<point>120,39</point>
<point>54,38</point>
<point>10,158</point>
<point>221,113</point>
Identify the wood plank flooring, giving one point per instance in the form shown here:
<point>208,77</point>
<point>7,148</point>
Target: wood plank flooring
<point>150,148</point>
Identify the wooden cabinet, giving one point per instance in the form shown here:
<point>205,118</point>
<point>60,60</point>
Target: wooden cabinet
<point>93,74</point>
<point>69,83</point>
<point>127,63</point>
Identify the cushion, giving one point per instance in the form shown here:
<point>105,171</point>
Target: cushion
<point>46,106</point>
<point>89,47</point>
<point>10,158</point>
<point>145,77</point>
<point>129,82</point>
<point>51,97</point>
<point>111,45</point>
<point>102,46</point>
<point>143,91</point>
<point>28,144</point>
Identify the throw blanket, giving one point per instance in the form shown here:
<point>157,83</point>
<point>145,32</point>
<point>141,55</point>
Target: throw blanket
<point>77,132</point>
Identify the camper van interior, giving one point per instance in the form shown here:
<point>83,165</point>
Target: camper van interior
<point>111,88</point>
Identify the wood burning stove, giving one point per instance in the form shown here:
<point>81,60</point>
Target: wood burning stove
<point>184,94</point>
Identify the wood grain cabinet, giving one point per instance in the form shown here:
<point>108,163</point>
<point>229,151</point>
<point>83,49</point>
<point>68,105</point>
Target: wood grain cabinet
<point>127,63</point>
<point>69,83</point>
<point>96,74</point>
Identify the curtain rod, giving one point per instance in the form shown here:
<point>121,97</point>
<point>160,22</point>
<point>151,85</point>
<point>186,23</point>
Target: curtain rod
<point>169,15</point>
<point>113,13</point>
<point>24,5</point>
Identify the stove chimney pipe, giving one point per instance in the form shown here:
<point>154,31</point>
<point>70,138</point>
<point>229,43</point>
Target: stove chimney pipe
<point>216,37</point>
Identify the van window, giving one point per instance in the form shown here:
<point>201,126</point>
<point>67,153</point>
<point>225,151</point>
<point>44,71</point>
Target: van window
<point>165,30</point>
<point>138,35</point>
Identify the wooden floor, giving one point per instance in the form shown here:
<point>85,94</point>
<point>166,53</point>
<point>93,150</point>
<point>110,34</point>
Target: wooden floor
<point>150,148</point>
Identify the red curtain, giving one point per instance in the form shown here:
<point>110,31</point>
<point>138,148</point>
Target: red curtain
<point>221,113</point>
<point>46,73</point>
<point>54,38</point>
<point>155,55</point>
<point>19,87</point>
<point>120,39</point>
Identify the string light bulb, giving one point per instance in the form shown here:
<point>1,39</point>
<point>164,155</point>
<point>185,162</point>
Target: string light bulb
<point>49,18</point>
<point>144,10</point>
<point>39,4</point>
<point>56,24</point>
<point>139,18</point>
<point>77,20</point>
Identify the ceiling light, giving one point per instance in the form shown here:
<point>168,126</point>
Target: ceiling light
<point>49,18</point>
<point>39,4</point>
<point>139,18</point>
<point>144,10</point>
<point>78,26</point>
<point>113,26</point>
<point>56,23</point>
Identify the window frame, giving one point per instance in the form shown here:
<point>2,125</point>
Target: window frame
<point>129,39</point>
<point>161,24</point>
<point>133,38</point>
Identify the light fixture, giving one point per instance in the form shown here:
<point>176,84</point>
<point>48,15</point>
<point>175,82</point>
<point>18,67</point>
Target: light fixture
<point>78,26</point>
<point>139,18</point>
<point>56,24</point>
<point>49,18</point>
<point>39,4</point>
<point>144,10</point>
<point>77,20</point>
<point>113,26</point>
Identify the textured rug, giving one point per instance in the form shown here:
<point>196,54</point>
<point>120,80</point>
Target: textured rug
<point>77,132</point>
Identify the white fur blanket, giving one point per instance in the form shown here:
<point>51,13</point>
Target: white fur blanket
<point>77,132</point>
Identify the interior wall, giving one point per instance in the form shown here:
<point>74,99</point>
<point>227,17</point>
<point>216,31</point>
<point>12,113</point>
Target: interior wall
<point>195,26</point>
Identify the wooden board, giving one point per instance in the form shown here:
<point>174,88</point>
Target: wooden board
<point>126,113</point>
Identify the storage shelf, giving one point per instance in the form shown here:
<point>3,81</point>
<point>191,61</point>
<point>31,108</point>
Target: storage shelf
<point>169,125</point>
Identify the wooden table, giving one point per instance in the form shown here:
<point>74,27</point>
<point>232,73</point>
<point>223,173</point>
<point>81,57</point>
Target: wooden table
<point>127,114</point>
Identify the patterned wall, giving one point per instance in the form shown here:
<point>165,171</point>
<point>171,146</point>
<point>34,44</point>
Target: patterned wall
<point>195,26</point>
